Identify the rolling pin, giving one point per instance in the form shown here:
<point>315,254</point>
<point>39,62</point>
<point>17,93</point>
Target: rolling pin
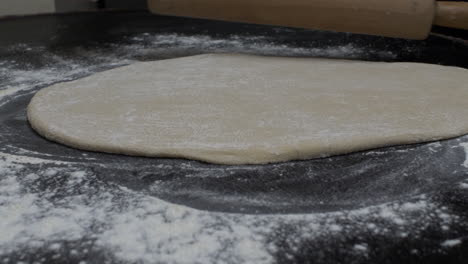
<point>412,19</point>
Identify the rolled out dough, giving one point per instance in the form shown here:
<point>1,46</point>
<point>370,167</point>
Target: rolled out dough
<point>241,109</point>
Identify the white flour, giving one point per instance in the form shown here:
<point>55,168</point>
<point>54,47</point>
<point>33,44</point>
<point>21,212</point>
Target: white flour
<point>44,204</point>
<point>136,227</point>
<point>452,243</point>
<point>465,146</point>
<point>59,68</point>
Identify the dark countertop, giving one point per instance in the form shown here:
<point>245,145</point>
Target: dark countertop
<point>405,204</point>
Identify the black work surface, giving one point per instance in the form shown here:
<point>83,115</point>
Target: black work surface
<point>406,204</point>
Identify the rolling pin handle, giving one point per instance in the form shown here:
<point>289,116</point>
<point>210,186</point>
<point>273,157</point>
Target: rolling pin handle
<point>452,14</point>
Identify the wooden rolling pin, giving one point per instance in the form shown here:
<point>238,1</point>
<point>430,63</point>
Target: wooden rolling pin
<point>412,19</point>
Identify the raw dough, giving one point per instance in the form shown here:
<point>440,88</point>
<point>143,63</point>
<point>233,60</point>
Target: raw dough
<point>236,109</point>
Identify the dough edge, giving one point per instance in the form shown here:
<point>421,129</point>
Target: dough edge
<point>234,156</point>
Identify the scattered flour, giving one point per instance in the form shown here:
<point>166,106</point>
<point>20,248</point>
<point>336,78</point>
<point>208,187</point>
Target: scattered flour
<point>451,243</point>
<point>17,78</point>
<point>141,228</point>
<point>360,247</point>
<point>247,44</point>
<point>414,206</point>
<point>46,203</point>
<point>335,228</point>
<point>465,146</point>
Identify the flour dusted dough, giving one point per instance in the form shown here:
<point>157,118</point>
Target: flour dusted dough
<point>236,109</point>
